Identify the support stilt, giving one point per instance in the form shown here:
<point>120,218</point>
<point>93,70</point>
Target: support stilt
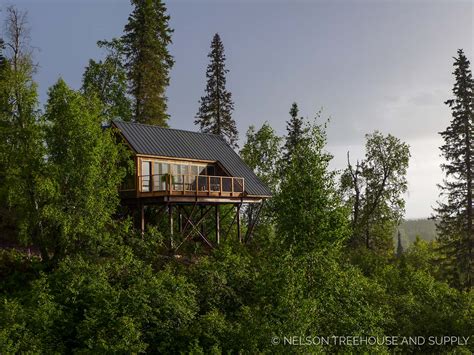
<point>239,235</point>
<point>180,220</point>
<point>218,225</point>
<point>253,223</point>
<point>142,219</point>
<point>202,225</point>
<point>170,216</point>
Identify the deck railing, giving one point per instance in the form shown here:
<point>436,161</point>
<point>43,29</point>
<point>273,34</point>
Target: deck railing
<point>191,184</point>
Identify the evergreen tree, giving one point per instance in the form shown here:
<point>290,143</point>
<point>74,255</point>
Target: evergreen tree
<point>399,245</point>
<point>215,111</point>
<point>455,212</point>
<point>295,131</point>
<point>147,60</point>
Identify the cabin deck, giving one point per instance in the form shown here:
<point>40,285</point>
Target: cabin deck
<point>187,188</point>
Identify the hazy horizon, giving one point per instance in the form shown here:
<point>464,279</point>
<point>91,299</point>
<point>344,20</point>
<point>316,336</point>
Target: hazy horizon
<point>383,66</point>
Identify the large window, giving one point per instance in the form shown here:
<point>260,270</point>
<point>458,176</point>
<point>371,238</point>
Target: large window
<point>155,176</point>
<point>160,176</point>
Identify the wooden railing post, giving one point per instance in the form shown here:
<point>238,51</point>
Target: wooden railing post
<point>208,185</point>
<point>220,186</point>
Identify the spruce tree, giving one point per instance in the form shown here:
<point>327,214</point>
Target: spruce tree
<point>295,130</point>
<point>216,106</point>
<point>148,61</point>
<point>399,245</point>
<point>454,213</point>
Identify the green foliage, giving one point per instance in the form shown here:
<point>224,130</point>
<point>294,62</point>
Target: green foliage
<point>374,189</point>
<point>309,209</point>
<point>103,305</point>
<point>21,148</point>
<point>69,192</point>
<point>216,106</point>
<point>17,268</point>
<point>107,80</point>
<point>27,327</point>
<point>261,153</point>
<point>423,255</point>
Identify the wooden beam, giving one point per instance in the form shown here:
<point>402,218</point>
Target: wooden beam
<point>194,227</point>
<point>231,225</point>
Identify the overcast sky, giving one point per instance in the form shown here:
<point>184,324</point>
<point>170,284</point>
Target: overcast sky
<point>371,65</point>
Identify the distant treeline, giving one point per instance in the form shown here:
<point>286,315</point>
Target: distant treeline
<point>410,229</point>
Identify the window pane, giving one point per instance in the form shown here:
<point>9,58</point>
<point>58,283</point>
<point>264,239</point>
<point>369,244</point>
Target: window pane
<point>193,170</point>
<point>202,170</point>
<point>174,169</point>
<point>146,167</point>
<point>146,170</point>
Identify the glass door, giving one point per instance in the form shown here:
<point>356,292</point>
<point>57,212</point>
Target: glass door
<point>146,176</point>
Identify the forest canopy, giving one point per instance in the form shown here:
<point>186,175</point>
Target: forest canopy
<point>77,275</point>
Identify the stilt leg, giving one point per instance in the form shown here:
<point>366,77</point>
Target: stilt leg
<point>170,216</point>
<point>180,220</point>
<point>239,235</point>
<point>142,219</point>
<point>218,225</point>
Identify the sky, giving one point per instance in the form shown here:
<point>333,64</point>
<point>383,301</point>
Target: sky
<point>370,65</point>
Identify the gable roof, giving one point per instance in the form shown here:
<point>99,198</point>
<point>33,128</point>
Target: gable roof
<point>166,142</point>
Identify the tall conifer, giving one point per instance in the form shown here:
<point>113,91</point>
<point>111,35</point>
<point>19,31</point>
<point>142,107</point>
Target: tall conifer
<point>148,61</point>
<point>399,245</point>
<point>295,130</point>
<point>455,212</point>
<point>216,106</point>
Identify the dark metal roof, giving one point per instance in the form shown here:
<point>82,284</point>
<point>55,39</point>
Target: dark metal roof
<point>175,143</point>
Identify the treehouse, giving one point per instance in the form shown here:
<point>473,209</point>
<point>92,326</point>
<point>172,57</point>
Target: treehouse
<point>184,172</point>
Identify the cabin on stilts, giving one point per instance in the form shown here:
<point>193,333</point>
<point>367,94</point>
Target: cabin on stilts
<point>189,178</point>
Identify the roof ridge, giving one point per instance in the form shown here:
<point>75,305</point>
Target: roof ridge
<point>168,128</point>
